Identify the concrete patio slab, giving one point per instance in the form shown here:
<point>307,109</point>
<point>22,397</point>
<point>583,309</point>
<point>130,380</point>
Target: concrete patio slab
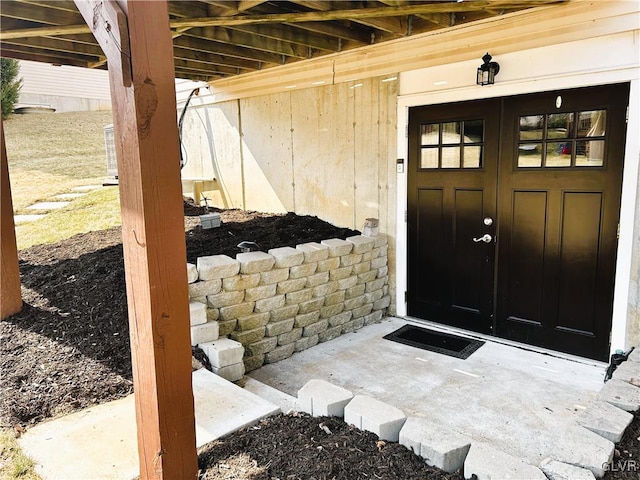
<point>223,407</point>
<point>100,443</point>
<point>48,205</point>
<point>519,401</point>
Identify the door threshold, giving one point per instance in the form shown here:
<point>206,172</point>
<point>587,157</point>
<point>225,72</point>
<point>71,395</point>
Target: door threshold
<point>503,341</point>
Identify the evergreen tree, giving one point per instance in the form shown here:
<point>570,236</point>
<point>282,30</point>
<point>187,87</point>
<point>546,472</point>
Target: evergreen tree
<point>9,84</point>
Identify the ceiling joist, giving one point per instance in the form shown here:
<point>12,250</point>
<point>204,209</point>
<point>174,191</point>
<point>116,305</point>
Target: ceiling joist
<point>215,38</point>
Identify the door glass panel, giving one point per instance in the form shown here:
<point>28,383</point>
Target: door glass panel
<point>590,153</point>
<point>568,139</point>
<point>559,125</point>
<point>429,158</point>
<point>472,156</point>
<point>592,123</point>
<point>430,134</point>
<point>451,132</point>
<point>530,155</point>
<point>531,127</point>
<point>558,154</point>
<point>451,157</point>
<point>473,131</point>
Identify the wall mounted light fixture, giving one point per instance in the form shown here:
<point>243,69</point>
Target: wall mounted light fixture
<point>487,71</point>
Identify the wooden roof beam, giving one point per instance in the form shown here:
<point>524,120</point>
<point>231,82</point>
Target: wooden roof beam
<point>316,16</point>
<point>292,35</point>
<point>48,16</point>
<point>196,40</point>
<point>251,41</point>
<point>203,68</point>
<point>57,45</point>
<point>360,36</point>
<point>213,59</point>
<point>357,14</point>
<point>20,52</point>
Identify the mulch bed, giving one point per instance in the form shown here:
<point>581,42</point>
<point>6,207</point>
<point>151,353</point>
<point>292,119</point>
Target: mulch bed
<point>313,448</point>
<point>68,349</point>
<point>626,458</point>
<point>69,346</point>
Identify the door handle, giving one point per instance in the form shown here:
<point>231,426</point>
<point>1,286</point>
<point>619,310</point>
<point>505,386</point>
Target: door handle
<point>486,238</point>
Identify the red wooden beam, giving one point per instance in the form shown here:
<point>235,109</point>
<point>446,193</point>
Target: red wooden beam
<point>147,150</point>
<point>10,296</point>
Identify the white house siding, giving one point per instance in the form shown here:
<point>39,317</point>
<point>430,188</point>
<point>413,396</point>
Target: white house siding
<point>65,88</point>
<point>284,146</point>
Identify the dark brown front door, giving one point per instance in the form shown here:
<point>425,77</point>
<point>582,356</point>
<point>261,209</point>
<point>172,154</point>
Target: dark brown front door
<point>544,182</point>
<point>452,189</point>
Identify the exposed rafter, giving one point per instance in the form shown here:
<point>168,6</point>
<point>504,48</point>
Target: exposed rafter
<point>216,38</point>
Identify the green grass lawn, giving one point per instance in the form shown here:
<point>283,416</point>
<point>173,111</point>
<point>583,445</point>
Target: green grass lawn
<point>52,153</point>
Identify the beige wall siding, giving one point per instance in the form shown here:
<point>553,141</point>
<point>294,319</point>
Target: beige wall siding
<point>64,88</point>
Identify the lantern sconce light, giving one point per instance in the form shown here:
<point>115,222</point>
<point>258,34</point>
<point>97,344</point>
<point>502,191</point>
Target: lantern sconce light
<point>487,71</point>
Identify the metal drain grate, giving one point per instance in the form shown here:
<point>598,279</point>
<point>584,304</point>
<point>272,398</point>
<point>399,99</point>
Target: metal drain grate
<point>444,343</point>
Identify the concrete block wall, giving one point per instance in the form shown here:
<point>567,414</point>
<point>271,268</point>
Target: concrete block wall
<point>290,299</point>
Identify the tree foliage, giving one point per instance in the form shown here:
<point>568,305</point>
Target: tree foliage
<point>10,85</point>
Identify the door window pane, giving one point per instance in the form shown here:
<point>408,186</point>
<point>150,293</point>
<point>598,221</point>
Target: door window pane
<point>592,123</point>
<point>473,131</point>
<point>568,139</point>
<point>559,125</point>
<point>451,157</point>
<point>429,158</point>
<point>590,153</point>
<point>558,154</point>
<point>531,127</point>
<point>430,134</point>
<point>451,144</point>
<point>530,155</point>
<point>451,132</point>
<point>472,156</point>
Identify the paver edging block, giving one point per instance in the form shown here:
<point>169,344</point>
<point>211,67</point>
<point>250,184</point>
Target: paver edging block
<point>487,463</point>
<point>320,398</point>
<point>621,394</point>
<point>236,289</point>
<point>555,470</point>
<point>369,414</point>
<point>440,447</point>
<point>606,420</point>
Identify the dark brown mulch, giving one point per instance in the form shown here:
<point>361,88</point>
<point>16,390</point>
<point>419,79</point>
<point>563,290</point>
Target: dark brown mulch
<point>626,460</point>
<point>69,346</point>
<point>313,448</point>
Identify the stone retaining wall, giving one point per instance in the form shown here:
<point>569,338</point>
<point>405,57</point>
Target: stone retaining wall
<point>290,299</point>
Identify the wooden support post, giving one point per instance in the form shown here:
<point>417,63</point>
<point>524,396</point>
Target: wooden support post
<point>10,296</point>
<point>145,127</point>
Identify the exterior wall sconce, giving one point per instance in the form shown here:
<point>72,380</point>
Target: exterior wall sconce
<point>487,71</point>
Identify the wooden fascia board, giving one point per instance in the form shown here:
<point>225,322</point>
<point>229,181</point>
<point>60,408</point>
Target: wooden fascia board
<point>521,30</point>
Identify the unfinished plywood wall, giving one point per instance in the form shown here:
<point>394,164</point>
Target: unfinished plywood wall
<point>327,151</point>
